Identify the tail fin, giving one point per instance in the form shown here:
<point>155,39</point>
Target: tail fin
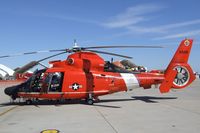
<point>179,74</point>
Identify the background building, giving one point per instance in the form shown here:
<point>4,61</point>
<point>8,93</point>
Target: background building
<point>5,72</point>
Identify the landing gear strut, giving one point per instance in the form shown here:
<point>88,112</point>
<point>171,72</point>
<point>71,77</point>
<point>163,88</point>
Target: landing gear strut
<point>90,100</point>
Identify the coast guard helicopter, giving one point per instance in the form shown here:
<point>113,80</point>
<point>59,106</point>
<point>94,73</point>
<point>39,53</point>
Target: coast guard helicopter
<point>85,75</point>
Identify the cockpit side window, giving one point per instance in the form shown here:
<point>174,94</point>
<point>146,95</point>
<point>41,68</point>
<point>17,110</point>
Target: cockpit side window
<point>53,82</point>
<point>36,82</point>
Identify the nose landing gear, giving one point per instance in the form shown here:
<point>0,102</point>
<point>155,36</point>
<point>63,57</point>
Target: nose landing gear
<point>28,101</point>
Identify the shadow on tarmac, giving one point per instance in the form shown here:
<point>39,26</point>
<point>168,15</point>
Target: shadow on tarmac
<point>146,99</point>
<point>151,99</point>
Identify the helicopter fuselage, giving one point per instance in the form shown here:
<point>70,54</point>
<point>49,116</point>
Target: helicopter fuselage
<point>81,75</point>
<point>85,75</point>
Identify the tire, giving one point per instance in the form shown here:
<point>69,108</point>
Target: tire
<point>13,97</point>
<point>28,102</point>
<point>90,101</point>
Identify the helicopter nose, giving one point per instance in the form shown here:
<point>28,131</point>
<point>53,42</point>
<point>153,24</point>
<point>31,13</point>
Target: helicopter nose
<point>10,90</point>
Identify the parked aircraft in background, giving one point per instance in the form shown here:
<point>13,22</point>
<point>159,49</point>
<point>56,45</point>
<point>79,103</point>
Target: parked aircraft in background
<point>7,73</point>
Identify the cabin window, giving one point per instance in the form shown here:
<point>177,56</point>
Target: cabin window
<point>53,82</point>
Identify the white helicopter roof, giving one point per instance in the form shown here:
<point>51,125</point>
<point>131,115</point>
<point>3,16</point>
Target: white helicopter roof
<point>4,70</point>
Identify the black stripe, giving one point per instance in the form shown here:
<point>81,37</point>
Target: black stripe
<point>30,53</point>
<point>5,56</point>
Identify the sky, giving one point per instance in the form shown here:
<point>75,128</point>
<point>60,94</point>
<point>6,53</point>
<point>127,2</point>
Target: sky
<point>54,24</point>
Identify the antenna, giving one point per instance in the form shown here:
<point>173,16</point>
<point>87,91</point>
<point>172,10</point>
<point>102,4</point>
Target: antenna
<point>112,60</point>
<point>75,44</point>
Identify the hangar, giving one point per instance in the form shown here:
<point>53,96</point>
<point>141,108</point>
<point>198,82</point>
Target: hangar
<point>5,72</point>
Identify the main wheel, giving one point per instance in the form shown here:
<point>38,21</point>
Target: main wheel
<point>90,101</point>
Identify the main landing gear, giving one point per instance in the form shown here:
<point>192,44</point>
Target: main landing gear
<point>90,100</point>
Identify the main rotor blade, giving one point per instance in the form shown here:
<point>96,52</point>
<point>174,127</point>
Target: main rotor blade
<point>75,49</point>
<point>35,52</point>
<point>109,53</point>
<point>34,63</point>
<point>51,56</point>
<point>122,46</point>
<point>27,53</point>
<point>26,67</point>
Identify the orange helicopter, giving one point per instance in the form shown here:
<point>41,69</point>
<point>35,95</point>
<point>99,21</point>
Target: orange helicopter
<point>85,75</point>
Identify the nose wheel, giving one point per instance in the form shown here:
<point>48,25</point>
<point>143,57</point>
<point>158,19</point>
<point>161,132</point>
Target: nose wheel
<point>28,102</point>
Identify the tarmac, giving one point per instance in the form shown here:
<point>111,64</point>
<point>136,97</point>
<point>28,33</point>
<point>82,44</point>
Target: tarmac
<point>138,111</point>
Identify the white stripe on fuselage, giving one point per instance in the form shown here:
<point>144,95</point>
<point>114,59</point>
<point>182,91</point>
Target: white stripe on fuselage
<point>130,81</point>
